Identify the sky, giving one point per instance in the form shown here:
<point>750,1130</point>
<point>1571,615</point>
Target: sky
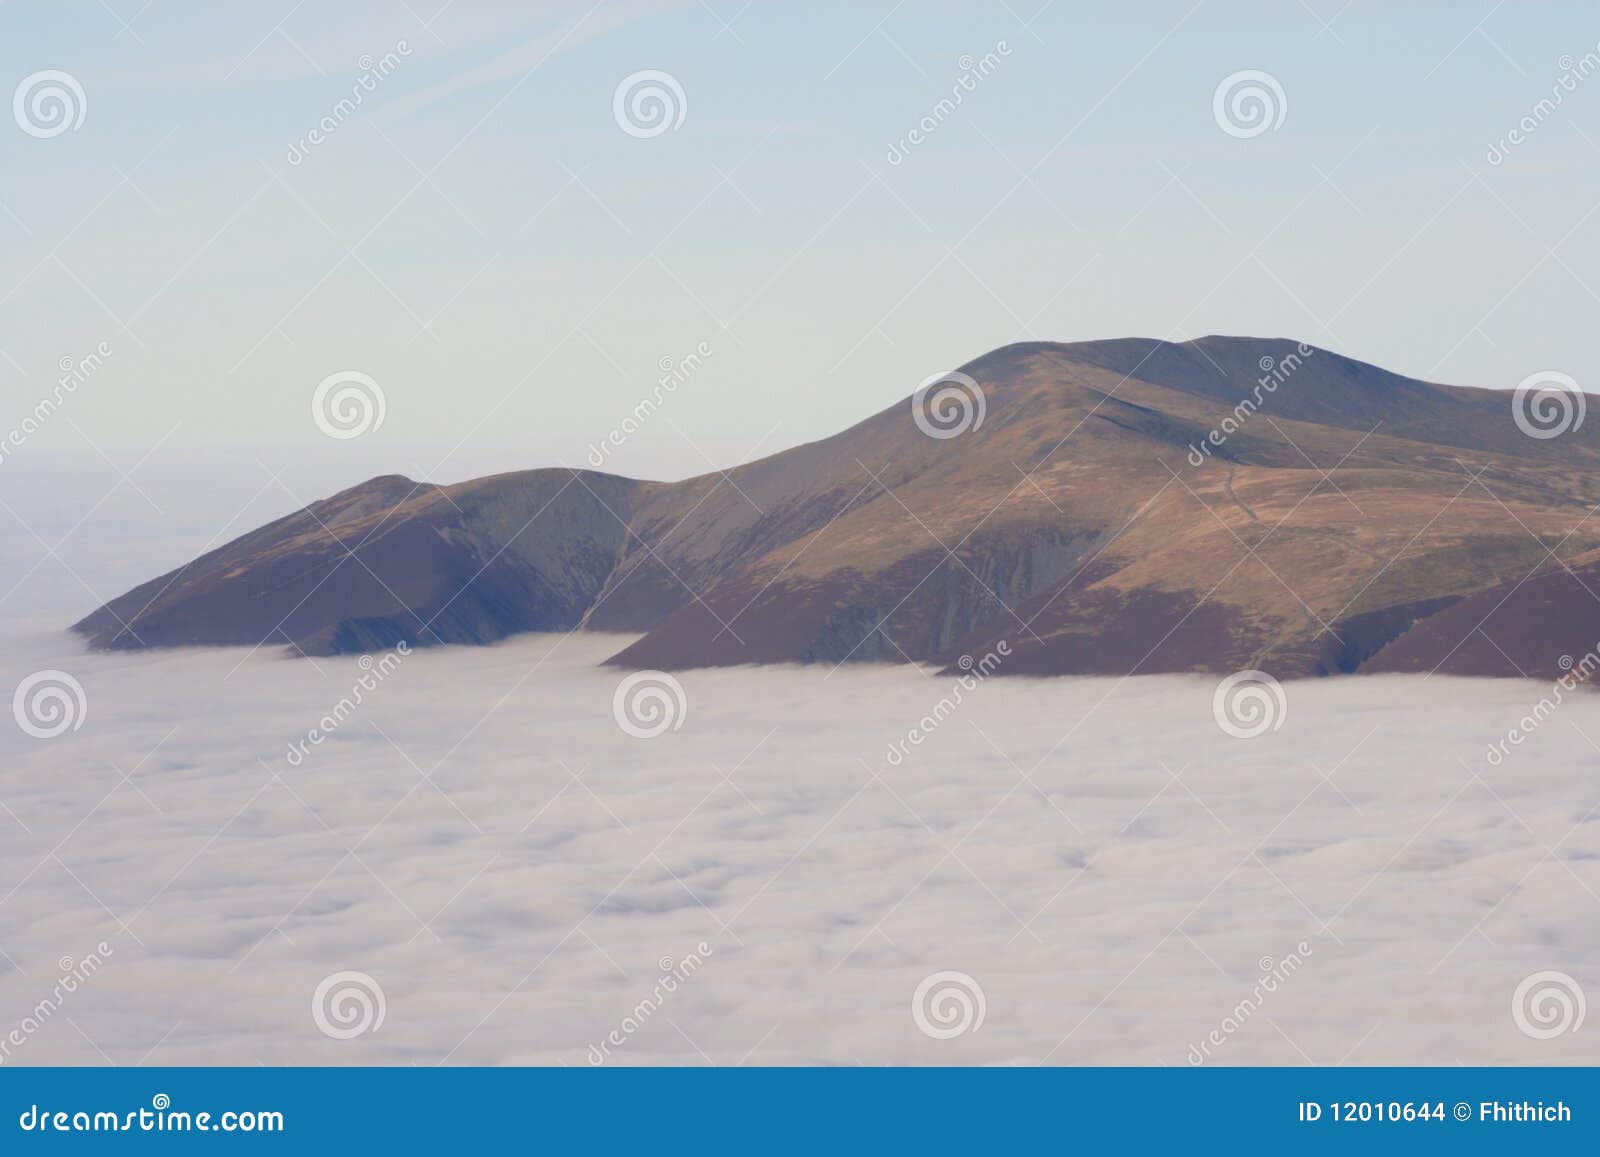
<point>483,239</point>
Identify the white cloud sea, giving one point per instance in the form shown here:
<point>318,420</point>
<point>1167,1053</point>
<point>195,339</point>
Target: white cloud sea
<point>483,840</point>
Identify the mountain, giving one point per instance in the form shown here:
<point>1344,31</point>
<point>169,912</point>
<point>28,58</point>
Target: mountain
<point>1113,507</point>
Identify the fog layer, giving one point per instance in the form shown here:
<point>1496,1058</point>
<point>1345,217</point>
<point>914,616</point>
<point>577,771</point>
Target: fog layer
<point>514,870</point>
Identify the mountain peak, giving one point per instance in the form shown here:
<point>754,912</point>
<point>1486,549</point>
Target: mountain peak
<point>1125,506</point>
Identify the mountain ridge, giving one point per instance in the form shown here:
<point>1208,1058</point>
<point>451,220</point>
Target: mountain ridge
<point>1123,506</point>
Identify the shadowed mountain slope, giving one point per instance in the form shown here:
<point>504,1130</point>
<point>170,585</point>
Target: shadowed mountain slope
<point>1123,507</point>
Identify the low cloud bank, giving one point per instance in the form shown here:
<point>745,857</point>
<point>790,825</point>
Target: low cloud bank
<point>479,865</point>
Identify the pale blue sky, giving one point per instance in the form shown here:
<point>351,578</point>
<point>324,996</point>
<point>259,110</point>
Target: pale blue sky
<point>485,242</point>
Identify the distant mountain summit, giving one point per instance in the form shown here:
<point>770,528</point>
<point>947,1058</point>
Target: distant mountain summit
<point>1109,507</point>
